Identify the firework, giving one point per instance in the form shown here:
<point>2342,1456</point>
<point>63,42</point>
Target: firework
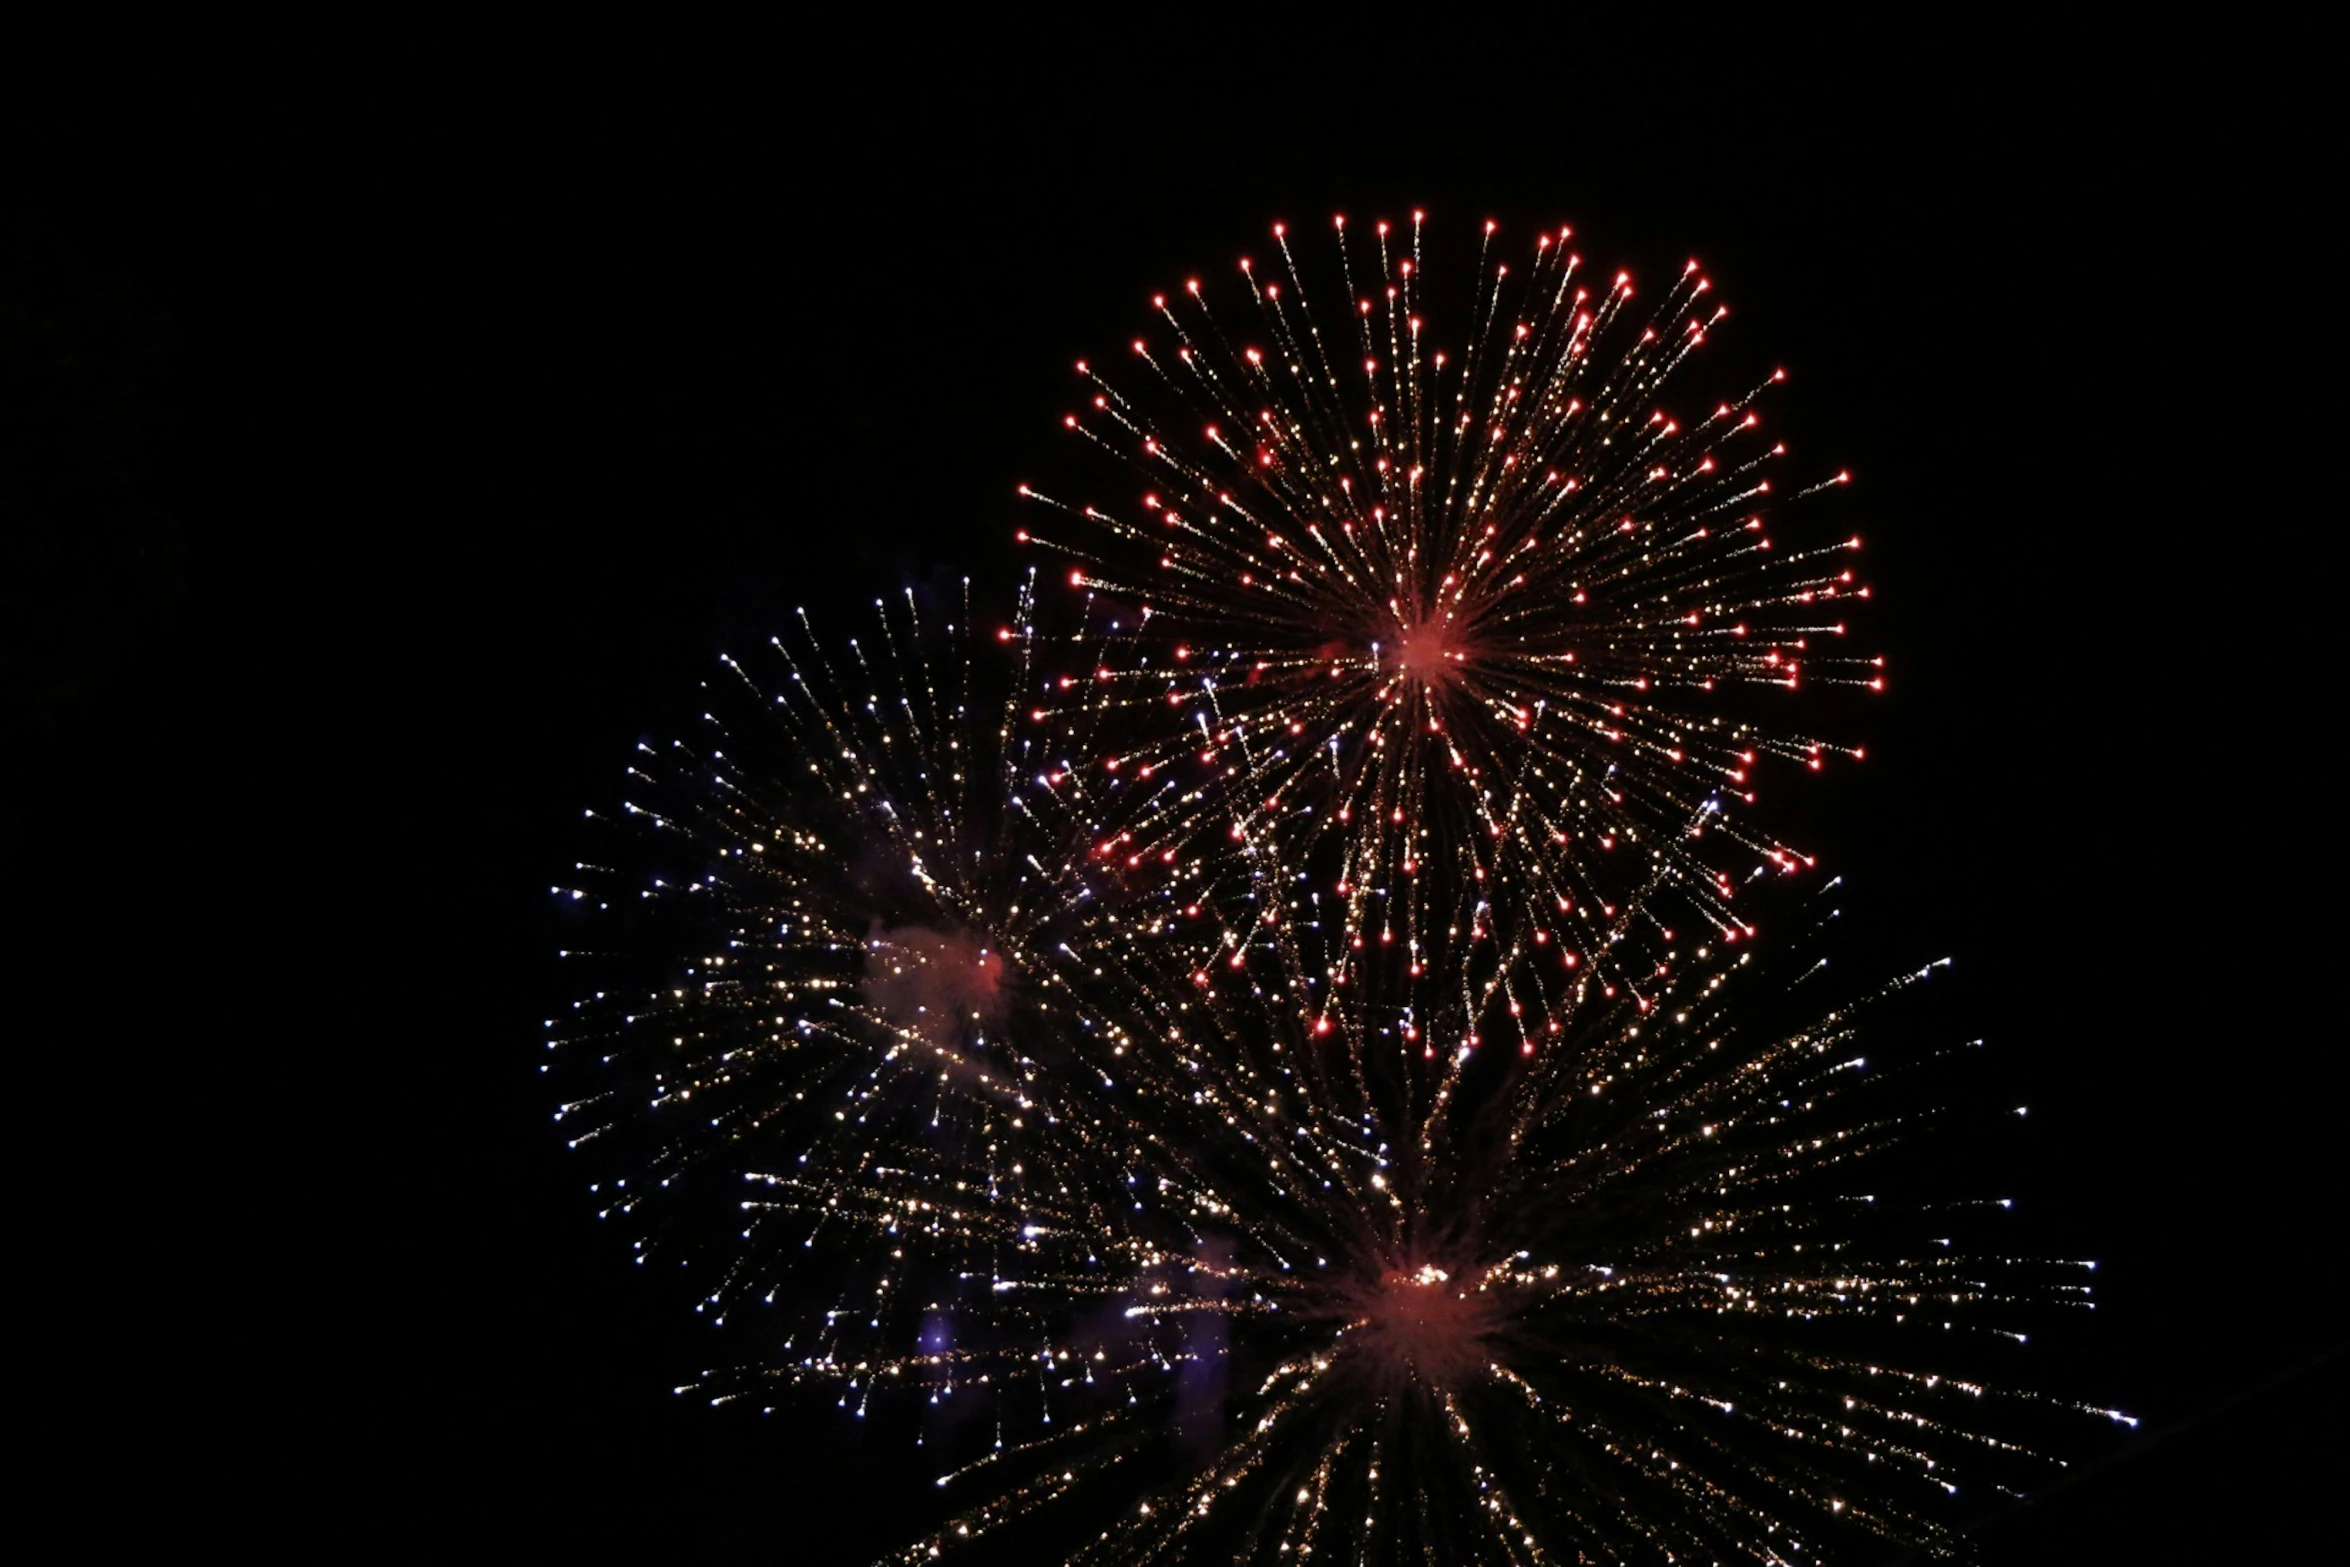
<point>925,1087</point>
<point>1465,640</point>
<point>859,879</point>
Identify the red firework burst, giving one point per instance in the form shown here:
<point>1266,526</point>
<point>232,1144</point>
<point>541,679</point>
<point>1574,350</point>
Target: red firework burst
<point>1460,648</point>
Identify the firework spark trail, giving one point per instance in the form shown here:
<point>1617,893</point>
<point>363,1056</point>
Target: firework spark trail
<point>875,1008</point>
<point>1459,638</point>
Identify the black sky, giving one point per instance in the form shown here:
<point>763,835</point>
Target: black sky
<point>499,396</point>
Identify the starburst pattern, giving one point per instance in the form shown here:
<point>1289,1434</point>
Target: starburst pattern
<point>1466,641</point>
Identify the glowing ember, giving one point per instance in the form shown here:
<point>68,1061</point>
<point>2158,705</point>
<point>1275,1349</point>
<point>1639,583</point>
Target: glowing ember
<point>1431,652</point>
<point>939,984</point>
<point>1420,1324</point>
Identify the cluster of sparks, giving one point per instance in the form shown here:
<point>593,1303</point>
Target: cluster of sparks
<point>1099,1056</point>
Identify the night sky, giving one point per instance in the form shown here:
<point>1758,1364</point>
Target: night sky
<point>427,429</point>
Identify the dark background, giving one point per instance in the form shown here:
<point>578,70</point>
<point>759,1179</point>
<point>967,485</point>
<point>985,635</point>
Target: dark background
<point>430,420</point>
